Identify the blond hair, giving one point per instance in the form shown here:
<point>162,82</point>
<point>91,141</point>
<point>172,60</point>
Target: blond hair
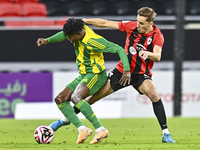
<point>147,12</point>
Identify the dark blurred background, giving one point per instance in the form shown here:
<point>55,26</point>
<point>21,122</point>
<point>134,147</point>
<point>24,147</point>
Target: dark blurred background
<point>22,22</point>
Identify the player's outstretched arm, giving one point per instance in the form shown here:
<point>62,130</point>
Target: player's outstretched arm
<point>102,23</point>
<point>58,37</point>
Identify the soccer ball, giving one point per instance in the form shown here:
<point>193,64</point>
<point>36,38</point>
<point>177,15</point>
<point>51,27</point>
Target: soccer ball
<point>44,134</point>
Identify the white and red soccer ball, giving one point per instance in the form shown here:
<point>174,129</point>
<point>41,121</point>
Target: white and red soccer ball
<point>44,134</point>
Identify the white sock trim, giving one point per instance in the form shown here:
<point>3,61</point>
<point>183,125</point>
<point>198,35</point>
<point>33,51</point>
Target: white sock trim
<point>165,131</point>
<point>64,119</point>
<point>81,128</point>
<point>100,129</point>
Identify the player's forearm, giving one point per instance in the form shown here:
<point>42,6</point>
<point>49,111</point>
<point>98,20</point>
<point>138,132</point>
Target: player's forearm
<point>154,56</point>
<point>58,37</point>
<point>122,54</point>
<point>102,23</point>
<point>96,22</point>
<point>116,49</point>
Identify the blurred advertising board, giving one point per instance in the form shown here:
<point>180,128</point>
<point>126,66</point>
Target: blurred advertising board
<point>23,87</point>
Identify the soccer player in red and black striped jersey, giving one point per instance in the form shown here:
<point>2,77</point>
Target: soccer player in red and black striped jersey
<point>144,43</point>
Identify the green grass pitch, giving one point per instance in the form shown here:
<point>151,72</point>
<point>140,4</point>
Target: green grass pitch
<point>125,134</point>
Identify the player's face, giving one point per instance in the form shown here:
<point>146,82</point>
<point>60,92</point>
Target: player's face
<point>74,37</point>
<point>143,26</point>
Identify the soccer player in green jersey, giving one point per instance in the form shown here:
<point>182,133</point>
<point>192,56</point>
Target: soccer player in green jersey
<point>89,49</point>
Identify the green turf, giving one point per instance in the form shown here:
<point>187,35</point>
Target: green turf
<point>125,134</point>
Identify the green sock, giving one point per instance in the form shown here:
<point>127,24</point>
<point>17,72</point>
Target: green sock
<point>69,113</point>
<point>86,110</point>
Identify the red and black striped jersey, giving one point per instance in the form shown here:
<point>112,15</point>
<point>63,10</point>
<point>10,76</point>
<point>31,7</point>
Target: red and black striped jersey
<point>136,42</point>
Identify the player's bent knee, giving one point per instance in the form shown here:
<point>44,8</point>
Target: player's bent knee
<point>59,100</point>
<point>91,101</point>
<point>153,96</point>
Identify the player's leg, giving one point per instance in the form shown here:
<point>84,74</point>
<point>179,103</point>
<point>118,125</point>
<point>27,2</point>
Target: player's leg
<point>59,123</point>
<point>87,111</point>
<point>112,83</point>
<point>90,84</point>
<point>62,100</point>
<point>66,95</point>
<point>102,92</point>
<point>148,88</point>
<point>111,86</point>
<point>77,98</point>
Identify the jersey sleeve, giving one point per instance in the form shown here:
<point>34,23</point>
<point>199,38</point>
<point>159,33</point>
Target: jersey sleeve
<point>104,46</point>
<point>126,25</point>
<point>159,40</point>
<point>58,37</point>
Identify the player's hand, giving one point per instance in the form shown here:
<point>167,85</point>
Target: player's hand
<point>126,78</point>
<point>41,42</point>
<point>144,54</point>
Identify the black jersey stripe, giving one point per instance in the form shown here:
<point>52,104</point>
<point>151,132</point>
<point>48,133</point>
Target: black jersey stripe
<point>132,37</point>
<point>138,59</point>
<point>149,48</point>
<point>147,63</point>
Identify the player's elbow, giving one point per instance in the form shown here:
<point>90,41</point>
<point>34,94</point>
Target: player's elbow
<point>158,59</point>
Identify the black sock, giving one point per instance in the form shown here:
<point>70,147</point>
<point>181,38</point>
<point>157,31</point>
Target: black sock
<point>76,110</point>
<point>160,114</point>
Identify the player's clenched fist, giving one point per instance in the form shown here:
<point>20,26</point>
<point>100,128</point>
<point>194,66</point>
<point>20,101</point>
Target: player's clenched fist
<point>41,41</point>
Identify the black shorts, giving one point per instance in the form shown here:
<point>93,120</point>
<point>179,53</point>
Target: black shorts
<point>136,80</point>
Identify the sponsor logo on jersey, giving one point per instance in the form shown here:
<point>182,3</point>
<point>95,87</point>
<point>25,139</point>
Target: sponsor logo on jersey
<point>132,50</point>
<point>149,41</point>
<point>140,47</point>
<point>134,35</point>
<point>137,47</point>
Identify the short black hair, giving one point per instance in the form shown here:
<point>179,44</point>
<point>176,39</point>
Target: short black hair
<point>73,26</point>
